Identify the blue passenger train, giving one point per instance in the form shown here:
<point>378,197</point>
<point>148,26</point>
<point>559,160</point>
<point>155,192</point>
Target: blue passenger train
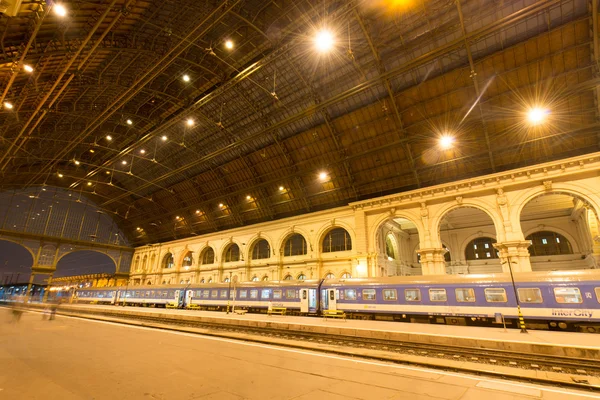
<point>548,300</point>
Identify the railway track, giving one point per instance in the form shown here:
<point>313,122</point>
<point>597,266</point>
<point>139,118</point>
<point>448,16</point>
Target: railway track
<point>582,374</point>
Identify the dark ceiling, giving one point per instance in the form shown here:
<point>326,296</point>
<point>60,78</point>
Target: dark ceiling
<point>273,112</point>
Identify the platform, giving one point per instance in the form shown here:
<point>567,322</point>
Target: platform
<point>71,359</point>
<point>567,344</point>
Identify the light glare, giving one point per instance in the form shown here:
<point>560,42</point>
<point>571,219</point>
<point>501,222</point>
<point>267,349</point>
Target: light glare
<point>164,138</point>
<point>186,78</point>
<point>324,40</point>
<point>229,44</point>
<point>108,137</point>
<point>129,122</point>
<point>323,176</point>
<point>537,115</point>
<point>446,141</point>
<point>8,105</point>
<point>142,151</point>
<point>28,68</point>
<point>60,10</point>
<point>281,188</point>
<point>190,122</point>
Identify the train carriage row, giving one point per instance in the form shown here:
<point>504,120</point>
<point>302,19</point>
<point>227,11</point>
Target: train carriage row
<point>555,300</point>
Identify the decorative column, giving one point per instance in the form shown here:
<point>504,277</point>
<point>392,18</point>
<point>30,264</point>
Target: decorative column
<point>517,253</point>
<point>432,261</point>
<point>595,233</point>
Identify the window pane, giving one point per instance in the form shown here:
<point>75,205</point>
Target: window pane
<point>368,294</point>
<point>295,246</point>
<point>597,290</point>
<point>265,294</point>
<point>465,295</point>
<point>530,295</point>
<point>495,295</point>
<point>214,293</point>
<point>438,295</point>
<point>223,293</point>
<point>337,240</point>
<point>480,248</point>
<point>547,243</point>
<point>567,295</point>
<point>290,293</point>
<point>412,294</point>
<point>277,294</point>
<point>254,294</point>
<point>261,250</point>
<point>390,295</point>
<point>243,294</point>
<point>350,294</point>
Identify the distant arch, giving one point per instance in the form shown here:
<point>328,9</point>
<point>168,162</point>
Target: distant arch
<point>188,260</point>
<point>329,275</point>
<point>481,248</point>
<point>301,277</point>
<point>295,245</point>
<point>548,243</point>
<point>261,249</point>
<point>288,277</point>
<point>145,262</point>
<point>82,262</point>
<point>168,261</point>
<point>477,204</point>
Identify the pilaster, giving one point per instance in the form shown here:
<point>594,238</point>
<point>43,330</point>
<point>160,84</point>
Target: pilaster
<point>515,252</point>
<point>432,261</point>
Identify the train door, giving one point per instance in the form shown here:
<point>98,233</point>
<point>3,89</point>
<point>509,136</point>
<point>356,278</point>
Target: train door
<point>332,295</point>
<point>117,296</point>
<point>304,300</point>
<point>312,300</point>
<point>113,299</point>
<point>189,295</point>
<point>176,298</point>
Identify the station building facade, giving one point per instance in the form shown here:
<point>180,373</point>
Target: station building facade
<point>538,218</point>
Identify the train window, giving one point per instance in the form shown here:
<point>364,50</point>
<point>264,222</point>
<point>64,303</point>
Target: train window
<point>205,294</point>
<point>254,294</point>
<point>567,295</point>
<point>530,295</point>
<point>368,294</point>
<point>412,294</point>
<point>265,294</point>
<point>214,293</point>
<point>277,294</point>
<point>350,294</point>
<point>495,295</point>
<point>223,294</point>
<point>597,290</point>
<point>243,294</point>
<point>147,293</point>
<point>438,295</point>
<point>390,294</point>
<point>465,295</point>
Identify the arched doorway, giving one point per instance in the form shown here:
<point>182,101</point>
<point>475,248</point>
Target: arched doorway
<point>396,240</point>
<point>468,235</point>
<point>562,229</point>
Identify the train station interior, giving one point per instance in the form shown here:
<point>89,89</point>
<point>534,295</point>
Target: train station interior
<point>289,148</point>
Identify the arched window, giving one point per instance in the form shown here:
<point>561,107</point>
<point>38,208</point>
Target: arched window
<point>232,253</point>
<point>301,277</point>
<point>389,247</point>
<point>209,280</point>
<point>346,275</point>
<point>265,278</point>
<point>136,264</point>
<point>149,283</point>
<point>168,261</point>
<point>481,249</point>
<point>255,278</point>
<point>202,280</point>
<point>288,277</point>
<point>337,239</point>
<point>546,243</point>
<point>164,282</point>
<point>153,262</point>
<point>181,282</point>
<point>144,263</point>
<point>226,280</point>
<point>295,245</point>
<point>187,260</point>
<point>330,276</point>
<point>261,250</point>
<point>208,256</point>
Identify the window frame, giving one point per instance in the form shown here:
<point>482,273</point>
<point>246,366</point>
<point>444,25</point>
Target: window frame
<point>438,289</point>
<point>364,291</point>
<point>568,287</point>
<point>597,291</point>
<point>354,297</point>
<point>417,290</point>
<point>465,301</point>
<point>539,292</point>
<point>487,300</point>
<point>389,290</point>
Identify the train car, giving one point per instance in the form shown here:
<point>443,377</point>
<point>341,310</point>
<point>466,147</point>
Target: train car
<point>96,295</point>
<point>549,300</point>
<point>294,296</point>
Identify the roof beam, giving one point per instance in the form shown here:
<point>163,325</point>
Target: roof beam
<point>401,132</point>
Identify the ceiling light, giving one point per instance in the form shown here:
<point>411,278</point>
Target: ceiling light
<point>129,122</point>
<point>537,115</point>
<point>107,172</point>
<point>177,218</point>
<point>142,151</point>
<point>323,176</point>
<point>324,41</point>
<point>186,78</point>
<point>229,44</point>
<point>89,183</point>
<point>92,151</point>
<point>8,105</point>
<point>28,68</point>
<point>138,229</point>
<point>248,197</point>
<point>190,122</point>
<point>108,137</point>
<point>197,211</point>
<point>60,10</point>
<point>220,205</point>
<point>446,141</point>
<point>164,138</point>
<point>60,175</point>
<point>77,162</point>
<point>124,162</point>
<point>281,188</point>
